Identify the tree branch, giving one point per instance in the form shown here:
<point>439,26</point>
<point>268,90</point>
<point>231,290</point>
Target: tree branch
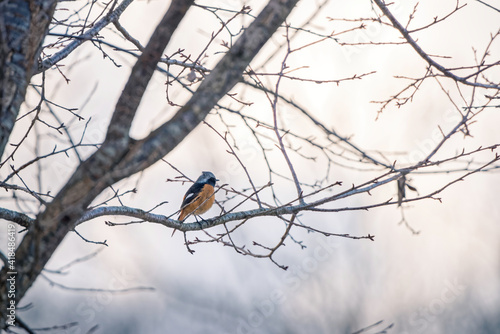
<point>406,34</point>
<point>126,107</point>
<point>286,209</point>
<point>97,27</point>
<point>17,217</point>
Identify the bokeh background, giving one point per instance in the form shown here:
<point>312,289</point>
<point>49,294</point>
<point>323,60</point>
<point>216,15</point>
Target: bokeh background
<point>445,279</point>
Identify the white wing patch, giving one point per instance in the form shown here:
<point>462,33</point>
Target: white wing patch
<point>189,198</point>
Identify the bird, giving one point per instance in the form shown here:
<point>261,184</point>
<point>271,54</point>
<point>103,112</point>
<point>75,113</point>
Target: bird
<point>199,198</point>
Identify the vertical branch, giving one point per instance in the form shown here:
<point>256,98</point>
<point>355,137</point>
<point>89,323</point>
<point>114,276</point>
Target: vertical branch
<point>274,105</point>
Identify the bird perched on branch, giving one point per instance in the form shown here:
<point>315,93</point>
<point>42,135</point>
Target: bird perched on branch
<point>200,196</point>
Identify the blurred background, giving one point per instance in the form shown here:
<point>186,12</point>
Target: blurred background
<point>433,267</point>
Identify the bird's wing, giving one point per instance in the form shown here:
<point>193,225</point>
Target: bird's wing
<point>192,193</point>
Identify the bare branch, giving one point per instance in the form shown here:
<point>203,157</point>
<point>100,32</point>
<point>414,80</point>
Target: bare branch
<point>406,34</point>
<point>232,152</point>
<point>97,27</point>
<point>17,217</point>
<point>78,289</point>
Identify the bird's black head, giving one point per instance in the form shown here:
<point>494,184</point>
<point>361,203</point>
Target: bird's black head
<point>208,178</point>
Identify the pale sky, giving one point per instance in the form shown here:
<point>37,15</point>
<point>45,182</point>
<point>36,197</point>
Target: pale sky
<point>443,280</point>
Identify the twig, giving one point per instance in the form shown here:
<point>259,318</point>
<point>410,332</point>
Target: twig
<point>232,152</point>
<point>406,34</point>
<point>274,105</point>
<point>78,289</point>
<point>97,27</point>
<point>90,241</point>
<point>61,269</point>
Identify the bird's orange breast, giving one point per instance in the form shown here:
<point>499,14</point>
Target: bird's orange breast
<point>201,204</point>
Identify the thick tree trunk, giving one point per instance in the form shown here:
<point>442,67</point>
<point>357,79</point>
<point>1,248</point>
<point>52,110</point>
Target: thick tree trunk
<point>23,26</point>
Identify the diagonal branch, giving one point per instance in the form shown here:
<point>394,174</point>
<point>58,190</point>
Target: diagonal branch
<point>233,153</point>
<point>287,209</point>
<point>315,121</point>
<point>143,70</point>
<point>102,23</point>
<point>406,34</point>
<point>17,217</point>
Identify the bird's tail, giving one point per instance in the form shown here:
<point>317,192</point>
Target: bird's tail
<point>182,215</point>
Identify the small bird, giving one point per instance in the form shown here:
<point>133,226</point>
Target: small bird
<point>200,196</point>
